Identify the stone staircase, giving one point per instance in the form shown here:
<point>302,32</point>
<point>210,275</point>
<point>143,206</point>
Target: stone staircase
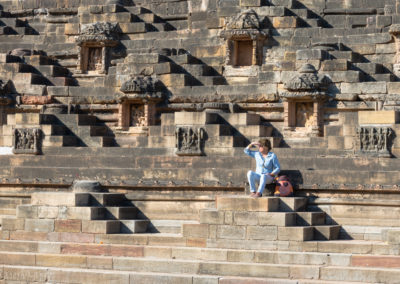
<point>60,130</point>
<point>207,252</point>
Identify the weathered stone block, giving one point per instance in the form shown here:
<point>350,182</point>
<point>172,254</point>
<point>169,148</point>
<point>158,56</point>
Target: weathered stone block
<point>379,117</point>
<point>364,88</point>
<point>12,224</point>
<point>231,232</point>
<point>48,212</point>
<point>72,226</point>
<point>335,65</point>
<point>268,233</point>
<point>211,216</point>
<point>195,230</point>
<point>27,211</point>
<point>60,199</point>
<point>245,218</point>
<point>284,22</point>
<point>312,54</point>
<point>250,3</point>
<point>244,203</point>
<point>100,226</point>
<point>71,29</point>
<point>25,274</point>
<point>295,233</point>
<point>27,118</point>
<point>276,218</point>
<point>61,260</point>
<point>195,118</point>
<point>39,225</point>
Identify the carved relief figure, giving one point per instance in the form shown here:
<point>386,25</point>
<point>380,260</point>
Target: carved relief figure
<point>138,117</point>
<point>189,140</point>
<point>27,141</point>
<point>375,140</point>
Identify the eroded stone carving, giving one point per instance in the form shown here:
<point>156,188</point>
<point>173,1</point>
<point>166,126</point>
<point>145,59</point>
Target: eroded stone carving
<point>99,32</point>
<point>138,116</point>
<point>27,141</point>
<point>141,85</point>
<point>248,19</point>
<point>307,83</point>
<point>375,141</point>
<point>189,140</point>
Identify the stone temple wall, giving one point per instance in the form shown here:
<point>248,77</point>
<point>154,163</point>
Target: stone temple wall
<point>299,65</point>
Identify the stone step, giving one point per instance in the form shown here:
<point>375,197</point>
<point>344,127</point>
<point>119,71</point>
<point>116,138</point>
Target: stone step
<point>366,232</point>
<point>16,67</point>
<point>189,267</point>
<point>133,226</point>
<point>310,218</point>
<point>108,199</point>
<point>121,213</point>
<point>52,70</point>
<point>167,226</point>
<point>101,226</point>
<point>60,199</point>
<point>59,141</point>
<point>5,30</point>
<point>7,58</point>
<point>245,203</point>
<point>12,22</point>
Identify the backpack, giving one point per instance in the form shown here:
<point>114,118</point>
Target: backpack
<point>283,187</point>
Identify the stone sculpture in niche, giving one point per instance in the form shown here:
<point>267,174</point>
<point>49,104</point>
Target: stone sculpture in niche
<point>306,92</point>
<point>27,141</point>
<point>138,103</point>
<point>244,39</point>
<point>189,141</point>
<point>375,141</point>
<point>94,42</point>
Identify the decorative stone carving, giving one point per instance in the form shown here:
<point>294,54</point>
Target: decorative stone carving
<point>142,87</point>
<point>306,84</point>
<point>27,141</point>
<point>243,39</point>
<point>375,141</point>
<point>99,32</point>
<point>189,141</point>
<point>306,92</point>
<point>138,103</point>
<point>246,20</point>
<point>94,42</point>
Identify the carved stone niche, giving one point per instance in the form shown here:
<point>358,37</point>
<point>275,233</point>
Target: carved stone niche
<point>137,107</point>
<point>395,32</point>
<point>95,42</point>
<point>243,40</point>
<point>27,141</point>
<point>375,141</point>
<point>303,101</point>
<point>189,140</point>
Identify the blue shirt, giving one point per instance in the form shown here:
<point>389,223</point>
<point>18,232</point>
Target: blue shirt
<point>267,165</point>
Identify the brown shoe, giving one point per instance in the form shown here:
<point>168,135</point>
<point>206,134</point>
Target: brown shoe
<point>252,194</point>
<point>257,195</point>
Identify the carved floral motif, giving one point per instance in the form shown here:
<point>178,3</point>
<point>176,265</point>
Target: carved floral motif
<point>27,141</point>
<point>189,140</point>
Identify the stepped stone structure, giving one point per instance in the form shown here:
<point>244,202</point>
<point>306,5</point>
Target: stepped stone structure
<point>123,123</point>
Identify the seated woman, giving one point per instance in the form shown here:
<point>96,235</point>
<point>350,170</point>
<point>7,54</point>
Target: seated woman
<point>267,166</point>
